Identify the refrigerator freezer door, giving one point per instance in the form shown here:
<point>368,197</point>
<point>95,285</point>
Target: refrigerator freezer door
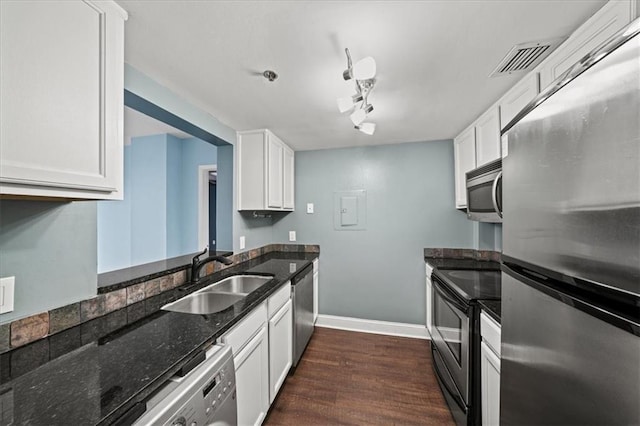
<point>571,185</point>
<point>561,366</point>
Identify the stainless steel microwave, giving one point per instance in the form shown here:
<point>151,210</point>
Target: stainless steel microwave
<point>484,193</point>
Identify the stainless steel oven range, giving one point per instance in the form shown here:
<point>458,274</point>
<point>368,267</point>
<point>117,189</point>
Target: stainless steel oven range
<point>455,344</point>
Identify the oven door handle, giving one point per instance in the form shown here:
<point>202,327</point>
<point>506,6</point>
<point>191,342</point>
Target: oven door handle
<point>461,307</point>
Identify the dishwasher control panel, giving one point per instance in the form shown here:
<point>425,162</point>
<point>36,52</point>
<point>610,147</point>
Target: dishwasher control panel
<point>205,396</point>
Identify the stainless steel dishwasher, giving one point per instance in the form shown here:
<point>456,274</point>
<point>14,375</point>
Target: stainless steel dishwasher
<point>302,295</point>
<point>206,395</point>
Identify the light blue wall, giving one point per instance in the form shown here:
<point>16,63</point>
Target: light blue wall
<point>195,153</point>
<point>50,247</point>
<point>377,273</point>
<point>158,217</point>
<point>114,226</point>
<point>175,209</point>
<point>148,199</point>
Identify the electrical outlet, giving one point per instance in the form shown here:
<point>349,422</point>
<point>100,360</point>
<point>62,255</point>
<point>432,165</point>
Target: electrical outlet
<point>242,243</point>
<point>292,235</point>
<point>6,294</point>
<point>309,208</point>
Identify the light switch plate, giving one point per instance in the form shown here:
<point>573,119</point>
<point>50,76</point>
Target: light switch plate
<point>7,286</point>
<point>242,243</point>
<point>309,208</point>
<point>292,235</point>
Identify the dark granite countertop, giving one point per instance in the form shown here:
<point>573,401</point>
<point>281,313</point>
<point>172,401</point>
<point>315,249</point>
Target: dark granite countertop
<point>121,278</point>
<point>493,308</point>
<point>95,372</point>
<point>449,263</point>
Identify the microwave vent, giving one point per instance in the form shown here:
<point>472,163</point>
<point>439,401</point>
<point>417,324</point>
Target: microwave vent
<point>523,57</point>
<point>487,168</point>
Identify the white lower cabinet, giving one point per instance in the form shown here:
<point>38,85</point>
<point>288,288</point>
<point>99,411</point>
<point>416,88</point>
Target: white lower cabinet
<point>249,342</point>
<point>490,370</point>
<point>280,348</point>
<point>262,345</point>
<point>428,323</point>
<point>252,380</point>
<point>315,290</point>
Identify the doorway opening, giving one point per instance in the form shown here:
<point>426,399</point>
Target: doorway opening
<point>207,193</point>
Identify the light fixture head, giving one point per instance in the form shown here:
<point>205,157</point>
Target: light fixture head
<point>364,69</point>
<point>367,128</point>
<point>359,115</point>
<point>348,102</point>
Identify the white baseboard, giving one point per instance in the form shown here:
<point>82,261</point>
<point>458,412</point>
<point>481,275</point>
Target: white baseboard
<point>416,331</point>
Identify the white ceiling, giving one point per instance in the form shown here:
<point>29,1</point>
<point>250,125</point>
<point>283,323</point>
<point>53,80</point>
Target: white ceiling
<point>433,57</point>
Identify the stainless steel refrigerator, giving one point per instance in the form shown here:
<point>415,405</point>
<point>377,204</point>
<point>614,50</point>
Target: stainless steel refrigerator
<point>571,247</point>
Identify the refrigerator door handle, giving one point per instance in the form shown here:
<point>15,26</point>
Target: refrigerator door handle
<point>494,194</point>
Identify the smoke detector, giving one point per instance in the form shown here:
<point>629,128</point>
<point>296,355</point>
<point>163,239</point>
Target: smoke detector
<point>524,57</point>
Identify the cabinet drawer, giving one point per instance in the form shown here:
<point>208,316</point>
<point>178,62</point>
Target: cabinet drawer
<point>242,332</point>
<point>278,299</point>
<point>490,331</point>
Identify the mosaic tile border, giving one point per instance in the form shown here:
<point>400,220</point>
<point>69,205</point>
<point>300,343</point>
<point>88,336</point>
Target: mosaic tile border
<point>23,331</point>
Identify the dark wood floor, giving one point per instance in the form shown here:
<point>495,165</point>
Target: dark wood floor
<point>348,378</point>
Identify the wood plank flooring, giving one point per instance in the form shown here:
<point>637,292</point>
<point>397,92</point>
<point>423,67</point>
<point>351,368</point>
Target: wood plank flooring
<point>349,378</point>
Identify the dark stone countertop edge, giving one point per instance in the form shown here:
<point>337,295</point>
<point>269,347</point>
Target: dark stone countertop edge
<point>492,308</point>
<point>122,278</point>
<point>449,263</point>
<point>155,384</point>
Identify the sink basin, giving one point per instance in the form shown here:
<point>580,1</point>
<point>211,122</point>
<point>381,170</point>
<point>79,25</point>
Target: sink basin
<point>238,284</point>
<point>204,303</point>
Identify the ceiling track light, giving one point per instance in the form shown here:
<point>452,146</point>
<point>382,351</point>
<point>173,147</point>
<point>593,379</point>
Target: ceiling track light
<point>363,73</point>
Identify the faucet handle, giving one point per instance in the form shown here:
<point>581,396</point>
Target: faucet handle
<point>195,258</point>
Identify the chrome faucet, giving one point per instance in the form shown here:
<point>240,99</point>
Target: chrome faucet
<point>197,265</point>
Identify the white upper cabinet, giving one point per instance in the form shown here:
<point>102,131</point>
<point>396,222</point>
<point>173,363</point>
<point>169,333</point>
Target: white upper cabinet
<point>62,67</point>
<point>464,150</point>
<point>488,137</point>
<point>288,179</point>
<point>611,18</point>
<point>518,97</point>
<point>265,172</point>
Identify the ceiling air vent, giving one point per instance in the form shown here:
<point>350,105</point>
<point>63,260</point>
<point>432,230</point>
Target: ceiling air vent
<point>525,56</point>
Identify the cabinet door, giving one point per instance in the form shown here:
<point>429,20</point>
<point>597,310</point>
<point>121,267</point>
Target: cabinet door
<point>488,137</point>
<point>280,348</point>
<point>517,98</point>
<point>275,153</point>
<point>316,267</point>
<point>62,68</point>
<point>464,147</point>
<point>429,285</point>
<point>252,380</point>
<point>490,386</point>
<point>288,178</point>
<point>612,17</point>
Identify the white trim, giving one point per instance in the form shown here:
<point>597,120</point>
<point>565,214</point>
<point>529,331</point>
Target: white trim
<point>203,204</point>
<point>416,331</point>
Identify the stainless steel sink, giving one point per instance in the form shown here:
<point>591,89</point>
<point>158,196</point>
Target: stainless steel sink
<point>218,296</point>
<point>204,303</point>
<point>238,284</point>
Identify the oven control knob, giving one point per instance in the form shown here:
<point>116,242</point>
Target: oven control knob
<point>180,421</point>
